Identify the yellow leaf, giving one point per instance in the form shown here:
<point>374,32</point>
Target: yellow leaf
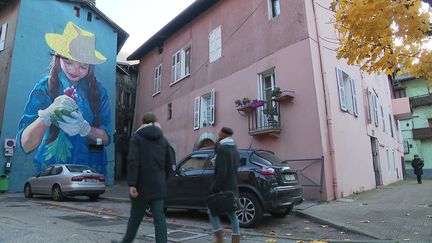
<point>271,241</point>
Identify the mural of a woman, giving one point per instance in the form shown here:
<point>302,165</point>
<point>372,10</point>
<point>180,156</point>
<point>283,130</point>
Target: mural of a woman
<point>68,108</point>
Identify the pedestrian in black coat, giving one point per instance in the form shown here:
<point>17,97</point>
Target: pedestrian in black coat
<point>418,164</point>
<point>226,160</point>
<point>149,164</point>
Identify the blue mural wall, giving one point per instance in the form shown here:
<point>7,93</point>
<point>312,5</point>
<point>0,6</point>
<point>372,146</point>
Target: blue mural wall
<point>30,63</point>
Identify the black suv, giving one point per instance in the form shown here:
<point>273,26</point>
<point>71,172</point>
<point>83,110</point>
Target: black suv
<point>265,185</point>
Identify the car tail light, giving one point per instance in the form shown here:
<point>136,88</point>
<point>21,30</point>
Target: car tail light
<point>77,178</point>
<point>101,179</point>
<point>267,171</point>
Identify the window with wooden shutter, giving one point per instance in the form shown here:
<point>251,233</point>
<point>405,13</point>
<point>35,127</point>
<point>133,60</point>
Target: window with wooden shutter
<point>3,31</point>
<point>215,44</point>
<point>197,104</point>
<point>342,97</point>
<point>375,106</point>
<point>157,80</point>
<point>354,97</point>
<point>383,118</point>
<point>212,107</point>
<point>181,64</point>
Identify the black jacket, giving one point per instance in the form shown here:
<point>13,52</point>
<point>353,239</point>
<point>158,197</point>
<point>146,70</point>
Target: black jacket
<point>417,164</point>
<point>226,166</point>
<point>149,162</point>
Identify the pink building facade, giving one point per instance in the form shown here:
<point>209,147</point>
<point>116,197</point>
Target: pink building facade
<point>336,125</point>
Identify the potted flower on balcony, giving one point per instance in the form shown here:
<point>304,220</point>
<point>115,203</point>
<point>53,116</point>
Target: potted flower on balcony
<point>247,104</point>
<point>281,95</point>
<point>271,112</point>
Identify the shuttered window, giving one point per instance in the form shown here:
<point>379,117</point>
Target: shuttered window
<point>157,80</point>
<point>347,92</point>
<point>3,31</point>
<point>181,64</point>
<point>215,44</point>
<point>204,110</point>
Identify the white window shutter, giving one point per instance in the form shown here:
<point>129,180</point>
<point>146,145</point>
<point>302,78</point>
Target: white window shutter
<point>155,80</point>
<point>3,36</point>
<point>197,104</point>
<point>376,110</point>
<point>182,63</point>
<point>354,96</point>
<point>211,46</point>
<point>342,97</point>
<point>173,69</point>
<point>370,107</point>
<point>212,106</point>
<point>215,44</point>
<point>382,118</point>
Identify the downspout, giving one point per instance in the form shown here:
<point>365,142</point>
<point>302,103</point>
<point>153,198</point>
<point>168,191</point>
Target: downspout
<point>327,106</point>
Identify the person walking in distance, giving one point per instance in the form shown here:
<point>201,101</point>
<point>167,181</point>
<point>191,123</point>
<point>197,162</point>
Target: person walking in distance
<point>226,159</point>
<point>418,164</point>
<point>149,164</point>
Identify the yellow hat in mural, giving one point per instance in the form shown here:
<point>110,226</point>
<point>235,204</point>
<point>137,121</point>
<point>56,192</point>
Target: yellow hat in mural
<point>75,44</point>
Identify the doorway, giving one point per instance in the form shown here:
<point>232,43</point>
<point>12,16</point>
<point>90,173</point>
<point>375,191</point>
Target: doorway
<point>376,162</point>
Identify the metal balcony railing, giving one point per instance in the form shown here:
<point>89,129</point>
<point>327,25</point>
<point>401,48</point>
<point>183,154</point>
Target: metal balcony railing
<point>422,133</point>
<point>265,120</point>
<point>423,100</point>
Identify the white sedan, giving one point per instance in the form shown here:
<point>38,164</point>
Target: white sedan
<point>62,180</point>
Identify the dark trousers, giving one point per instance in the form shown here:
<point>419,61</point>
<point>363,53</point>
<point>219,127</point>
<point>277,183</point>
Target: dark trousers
<point>419,179</point>
<point>136,215</point>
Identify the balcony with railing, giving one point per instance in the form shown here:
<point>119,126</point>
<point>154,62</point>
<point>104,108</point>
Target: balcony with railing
<point>263,117</point>
<point>422,100</point>
<point>422,133</point>
<point>402,108</point>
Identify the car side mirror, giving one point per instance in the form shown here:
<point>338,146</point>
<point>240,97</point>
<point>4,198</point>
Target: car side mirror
<point>180,171</point>
<point>38,174</point>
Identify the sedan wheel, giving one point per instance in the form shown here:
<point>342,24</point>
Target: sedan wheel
<point>250,212</point>
<point>57,193</point>
<point>27,191</point>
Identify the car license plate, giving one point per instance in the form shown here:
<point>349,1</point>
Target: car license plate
<point>91,180</point>
<point>289,177</point>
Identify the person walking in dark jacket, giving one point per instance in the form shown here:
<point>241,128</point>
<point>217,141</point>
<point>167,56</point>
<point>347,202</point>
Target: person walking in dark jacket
<point>149,164</point>
<point>226,160</point>
<point>418,164</point>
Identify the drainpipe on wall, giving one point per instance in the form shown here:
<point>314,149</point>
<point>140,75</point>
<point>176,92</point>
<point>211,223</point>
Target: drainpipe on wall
<point>327,107</point>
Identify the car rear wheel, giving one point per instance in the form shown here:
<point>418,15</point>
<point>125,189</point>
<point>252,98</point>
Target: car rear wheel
<point>282,213</point>
<point>57,193</point>
<point>27,191</point>
<point>250,212</point>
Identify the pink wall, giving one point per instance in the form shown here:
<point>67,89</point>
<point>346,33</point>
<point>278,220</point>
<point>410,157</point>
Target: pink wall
<point>313,124</point>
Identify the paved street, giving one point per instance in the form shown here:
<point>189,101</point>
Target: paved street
<point>78,219</point>
<point>401,212</point>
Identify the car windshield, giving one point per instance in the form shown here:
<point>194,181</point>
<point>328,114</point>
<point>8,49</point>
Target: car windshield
<point>79,169</point>
<point>266,158</point>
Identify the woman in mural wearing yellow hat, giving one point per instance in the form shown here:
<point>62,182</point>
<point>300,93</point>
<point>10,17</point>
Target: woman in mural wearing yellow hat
<point>69,108</point>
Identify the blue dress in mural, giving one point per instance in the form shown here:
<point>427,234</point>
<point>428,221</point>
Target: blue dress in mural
<point>67,149</point>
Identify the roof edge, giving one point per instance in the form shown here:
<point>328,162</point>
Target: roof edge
<point>186,16</point>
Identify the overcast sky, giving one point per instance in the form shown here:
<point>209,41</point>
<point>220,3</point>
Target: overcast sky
<point>141,18</point>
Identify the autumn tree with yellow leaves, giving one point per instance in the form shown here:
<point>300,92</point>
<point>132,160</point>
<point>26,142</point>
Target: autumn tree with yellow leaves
<point>384,35</point>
